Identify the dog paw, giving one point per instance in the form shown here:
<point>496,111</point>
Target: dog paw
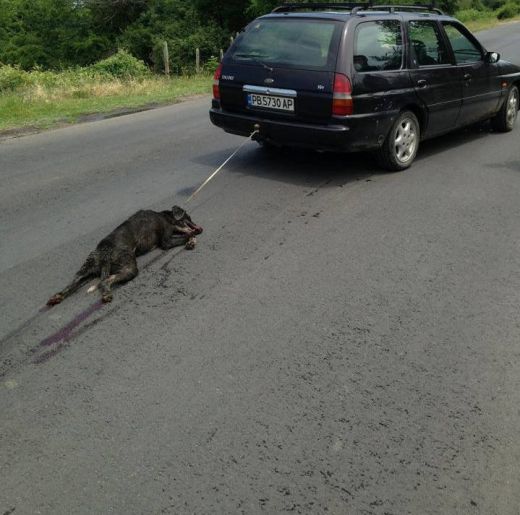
<point>55,299</point>
<point>93,288</point>
<point>190,244</point>
<point>107,297</point>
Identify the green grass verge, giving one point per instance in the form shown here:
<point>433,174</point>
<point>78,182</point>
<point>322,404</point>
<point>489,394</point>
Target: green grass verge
<point>44,108</point>
<point>488,23</point>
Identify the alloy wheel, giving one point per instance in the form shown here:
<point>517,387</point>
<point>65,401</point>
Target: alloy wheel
<point>405,140</point>
<point>512,107</point>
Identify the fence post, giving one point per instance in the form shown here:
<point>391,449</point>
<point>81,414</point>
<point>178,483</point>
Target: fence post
<point>166,58</point>
<point>231,39</point>
<point>197,60</point>
<point>221,54</point>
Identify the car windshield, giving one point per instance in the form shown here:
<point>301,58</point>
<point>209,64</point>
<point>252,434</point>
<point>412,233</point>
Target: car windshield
<point>297,43</point>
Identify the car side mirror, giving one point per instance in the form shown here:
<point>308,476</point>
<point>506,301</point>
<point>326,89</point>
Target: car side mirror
<point>492,57</point>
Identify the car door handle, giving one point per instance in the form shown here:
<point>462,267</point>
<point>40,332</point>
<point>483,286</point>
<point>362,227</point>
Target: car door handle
<point>422,83</point>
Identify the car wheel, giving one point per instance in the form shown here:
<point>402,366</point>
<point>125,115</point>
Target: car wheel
<point>400,146</point>
<point>505,119</point>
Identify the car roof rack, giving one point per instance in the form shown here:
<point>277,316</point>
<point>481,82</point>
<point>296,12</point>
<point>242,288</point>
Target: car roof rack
<point>355,7</point>
<point>320,6</point>
<point>425,8</point>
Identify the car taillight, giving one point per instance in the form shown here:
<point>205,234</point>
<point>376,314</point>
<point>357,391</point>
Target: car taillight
<point>216,81</point>
<point>342,104</point>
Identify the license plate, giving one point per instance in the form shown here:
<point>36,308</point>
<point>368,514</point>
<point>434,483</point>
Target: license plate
<point>270,102</point>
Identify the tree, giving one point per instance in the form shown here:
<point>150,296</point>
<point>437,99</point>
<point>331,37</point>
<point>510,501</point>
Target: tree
<point>179,23</point>
<point>259,7</point>
<point>230,15</point>
<point>49,34</point>
<point>113,16</point>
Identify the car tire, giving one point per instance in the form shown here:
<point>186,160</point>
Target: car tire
<point>505,119</point>
<point>400,146</point>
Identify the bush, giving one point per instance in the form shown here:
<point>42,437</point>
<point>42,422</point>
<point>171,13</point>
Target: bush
<point>121,65</point>
<point>471,4</point>
<point>12,78</point>
<point>494,4</point>
<point>211,64</point>
<point>472,15</point>
<point>509,10</point>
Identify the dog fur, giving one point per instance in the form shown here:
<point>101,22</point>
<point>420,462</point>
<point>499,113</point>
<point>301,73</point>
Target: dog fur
<point>114,259</point>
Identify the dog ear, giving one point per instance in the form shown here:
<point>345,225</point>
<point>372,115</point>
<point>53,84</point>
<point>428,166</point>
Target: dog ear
<point>178,213</point>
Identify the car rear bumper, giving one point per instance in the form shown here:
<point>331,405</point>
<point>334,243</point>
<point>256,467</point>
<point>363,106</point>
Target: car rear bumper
<point>349,134</point>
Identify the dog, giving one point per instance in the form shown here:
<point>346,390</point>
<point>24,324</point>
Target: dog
<point>114,260</point>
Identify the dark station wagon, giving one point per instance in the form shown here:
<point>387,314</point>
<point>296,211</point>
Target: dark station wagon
<point>349,77</point>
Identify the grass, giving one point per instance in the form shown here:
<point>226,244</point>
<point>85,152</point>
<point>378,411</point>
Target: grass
<point>488,23</point>
<point>42,107</point>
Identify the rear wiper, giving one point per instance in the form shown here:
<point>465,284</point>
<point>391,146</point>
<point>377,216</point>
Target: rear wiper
<point>254,59</point>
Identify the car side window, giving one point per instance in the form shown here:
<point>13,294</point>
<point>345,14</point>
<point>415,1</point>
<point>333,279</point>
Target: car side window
<point>465,50</point>
<point>378,46</point>
<point>426,44</point>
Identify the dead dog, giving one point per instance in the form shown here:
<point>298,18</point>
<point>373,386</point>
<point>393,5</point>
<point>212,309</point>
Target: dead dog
<point>114,260</point>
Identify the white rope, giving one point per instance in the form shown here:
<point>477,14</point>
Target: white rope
<point>196,192</point>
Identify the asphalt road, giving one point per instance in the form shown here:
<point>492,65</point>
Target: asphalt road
<point>341,340</point>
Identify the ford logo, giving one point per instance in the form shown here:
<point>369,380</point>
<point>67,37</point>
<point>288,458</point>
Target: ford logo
<point>268,81</point>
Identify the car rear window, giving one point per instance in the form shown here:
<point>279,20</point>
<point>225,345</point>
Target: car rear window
<point>293,43</point>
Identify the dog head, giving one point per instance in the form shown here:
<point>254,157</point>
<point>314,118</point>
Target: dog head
<point>183,222</point>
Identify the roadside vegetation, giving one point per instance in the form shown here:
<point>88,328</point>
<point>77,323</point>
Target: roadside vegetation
<point>41,99</point>
<point>483,14</point>
<point>63,59</point>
